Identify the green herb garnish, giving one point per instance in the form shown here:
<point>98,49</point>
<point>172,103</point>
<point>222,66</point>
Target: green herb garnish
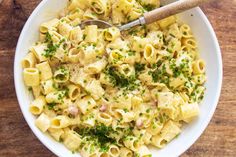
<point>51,105</point>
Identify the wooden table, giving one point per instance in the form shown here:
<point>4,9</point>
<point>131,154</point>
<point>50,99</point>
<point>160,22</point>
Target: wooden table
<point>17,140</point>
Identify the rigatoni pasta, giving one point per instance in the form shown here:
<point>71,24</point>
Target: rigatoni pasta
<point>106,93</point>
<point>31,76</point>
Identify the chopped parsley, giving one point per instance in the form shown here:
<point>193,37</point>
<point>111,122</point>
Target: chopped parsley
<point>48,37</point>
<point>131,53</point>
<point>139,67</point>
<point>160,75</point>
<point>148,110</point>
<point>120,80</point>
<point>180,69</point>
<point>51,105</point>
<point>30,89</point>
<point>126,110</point>
<point>99,133</point>
<point>51,47</point>
<point>133,32</point>
<point>149,7</point>
<point>50,51</point>
<point>84,36</point>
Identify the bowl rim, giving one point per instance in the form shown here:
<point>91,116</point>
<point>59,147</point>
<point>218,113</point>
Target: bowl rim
<point>179,151</point>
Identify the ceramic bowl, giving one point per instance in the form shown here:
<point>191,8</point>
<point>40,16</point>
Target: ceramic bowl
<point>209,51</point>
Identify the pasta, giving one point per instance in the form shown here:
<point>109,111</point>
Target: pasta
<point>104,93</point>
<point>31,76</point>
<point>37,105</point>
<point>29,61</point>
<point>45,71</point>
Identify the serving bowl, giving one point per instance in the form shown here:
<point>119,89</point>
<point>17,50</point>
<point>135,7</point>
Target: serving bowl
<point>209,51</point>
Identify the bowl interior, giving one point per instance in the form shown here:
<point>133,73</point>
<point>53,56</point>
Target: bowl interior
<point>209,51</point>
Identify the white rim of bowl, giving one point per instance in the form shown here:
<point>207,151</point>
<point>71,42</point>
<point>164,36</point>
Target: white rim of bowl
<point>179,151</point>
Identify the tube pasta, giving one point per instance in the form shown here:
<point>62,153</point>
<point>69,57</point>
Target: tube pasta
<point>55,36</point>
<point>75,22</point>
<point>164,23</point>
<point>43,122</point>
<point>88,15</point>
<point>143,151</point>
<point>185,30</point>
<point>147,138</point>
<point>156,39</point>
<point>56,133</point>
<point>29,61</point>
<point>126,70</point>
<point>72,140</point>
<point>64,29</point>
<point>61,75</point>
<point>36,107</point>
<point>91,33</point>
<point>76,35</point>
<point>189,111</point>
<point>124,5</point>
<point>146,78</point>
<point>50,25</point>
<point>76,14</point>
<point>199,79</point>
<point>104,118</point>
<point>155,127</point>
<point>48,86</point>
<point>106,93</point>
<point>191,43</point>
<point>132,143</point>
<point>174,45</point>
<point>95,89</point>
<point>174,31</point>
<point>138,43</point>
<point>36,91</point>
<point>177,82</point>
<point>111,33</point>
<point>117,16</point>
<point>96,67</point>
<point>154,3</point>
<point>45,71</point>
<point>125,152</point>
<point>199,67</point>
<point>104,155</point>
<point>73,92</point>
<point>60,122</point>
<point>170,131</point>
<point>85,104</point>
<point>38,51</point>
<point>99,6</point>
<point>74,4</point>
<point>89,119</point>
<point>74,55</point>
<point>89,150</point>
<point>158,141</point>
<point>134,13</point>
<point>31,76</point>
<point>150,54</point>
<point>105,80</point>
<point>55,97</point>
<point>88,54</point>
<point>114,151</point>
<point>116,57</point>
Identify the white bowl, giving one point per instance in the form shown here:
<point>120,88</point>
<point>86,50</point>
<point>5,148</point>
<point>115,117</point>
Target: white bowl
<point>209,51</point>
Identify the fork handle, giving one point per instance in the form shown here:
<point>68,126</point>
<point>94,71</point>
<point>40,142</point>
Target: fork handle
<point>171,9</point>
<point>163,12</point>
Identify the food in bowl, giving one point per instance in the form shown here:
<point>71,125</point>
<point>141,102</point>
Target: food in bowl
<point>105,93</point>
